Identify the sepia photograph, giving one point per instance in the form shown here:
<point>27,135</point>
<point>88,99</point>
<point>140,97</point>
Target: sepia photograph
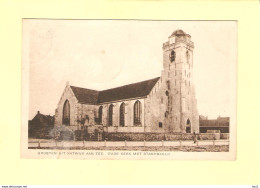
<point>129,89</point>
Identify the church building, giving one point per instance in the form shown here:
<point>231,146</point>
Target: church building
<point>166,104</point>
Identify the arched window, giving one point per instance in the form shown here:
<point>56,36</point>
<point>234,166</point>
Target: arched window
<point>122,115</point>
<point>172,56</point>
<point>110,115</point>
<point>100,112</point>
<point>137,113</point>
<point>66,113</point>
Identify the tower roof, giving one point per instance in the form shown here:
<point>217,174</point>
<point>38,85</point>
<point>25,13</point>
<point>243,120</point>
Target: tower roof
<point>178,33</point>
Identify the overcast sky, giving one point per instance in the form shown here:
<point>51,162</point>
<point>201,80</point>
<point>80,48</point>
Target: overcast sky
<point>105,54</point>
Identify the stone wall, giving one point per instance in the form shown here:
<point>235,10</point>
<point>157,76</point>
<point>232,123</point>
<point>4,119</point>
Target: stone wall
<point>155,108</point>
<point>129,114</point>
<point>87,113</point>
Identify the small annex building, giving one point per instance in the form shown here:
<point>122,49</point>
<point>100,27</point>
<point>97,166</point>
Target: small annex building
<point>40,125</point>
<point>221,124</point>
<point>164,104</point>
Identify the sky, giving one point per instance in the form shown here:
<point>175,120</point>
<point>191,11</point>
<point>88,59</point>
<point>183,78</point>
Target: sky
<point>102,54</point>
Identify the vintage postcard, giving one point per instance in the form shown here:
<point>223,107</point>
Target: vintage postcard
<point>129,89</point>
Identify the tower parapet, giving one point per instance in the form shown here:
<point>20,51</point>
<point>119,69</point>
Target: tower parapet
<point>176,37</point>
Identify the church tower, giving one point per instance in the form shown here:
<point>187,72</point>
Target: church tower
<point>182,115</point>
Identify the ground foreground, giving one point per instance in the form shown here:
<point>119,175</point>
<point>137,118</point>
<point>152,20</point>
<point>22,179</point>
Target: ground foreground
<point>217,148</point>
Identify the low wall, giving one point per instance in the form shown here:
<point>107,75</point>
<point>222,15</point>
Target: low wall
<point>134,136</point>
<point>123,129</point>
<point>224,136</point>
<point>157,136</point>
<point>209,136</point>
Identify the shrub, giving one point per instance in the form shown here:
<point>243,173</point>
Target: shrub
<point>62,133</point>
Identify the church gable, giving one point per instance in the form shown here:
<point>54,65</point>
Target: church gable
<point>67,94</point>
<point>68,97</point>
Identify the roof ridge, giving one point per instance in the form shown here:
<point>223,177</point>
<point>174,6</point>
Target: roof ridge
<point>84,88</point>
<point>117,86</point>
<point>130,84</point>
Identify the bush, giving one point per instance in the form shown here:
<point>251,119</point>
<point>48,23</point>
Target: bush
<point>62,133</point>
<point>81,135</point>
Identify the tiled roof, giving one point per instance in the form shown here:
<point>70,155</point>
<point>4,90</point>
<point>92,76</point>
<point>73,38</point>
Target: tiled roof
<point>213,123</point>
<point>140,89</point>
<point>86,96</point>
<point>43,118</point>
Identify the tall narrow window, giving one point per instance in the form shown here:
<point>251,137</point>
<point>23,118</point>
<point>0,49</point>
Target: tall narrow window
<point>110,115</point>
<point>66,113</point>
<point>188,56</point>
<point>172,56</point>
<point>122,115</point>
<point>137,113</point>
<point>168,84</point>
<point>160,124</point>
<point>100,112</point>
<point>188,126</point>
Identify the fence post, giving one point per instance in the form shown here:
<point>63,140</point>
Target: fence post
<point>83,143</point>
<point>99,137</point>
<point>39,145</point>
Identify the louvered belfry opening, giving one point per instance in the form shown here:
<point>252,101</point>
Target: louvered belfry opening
<point>110,115</point>
<point>122,115</point>
<point>137,113</point>
<point>172,56</point>
<point>66,113</point>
